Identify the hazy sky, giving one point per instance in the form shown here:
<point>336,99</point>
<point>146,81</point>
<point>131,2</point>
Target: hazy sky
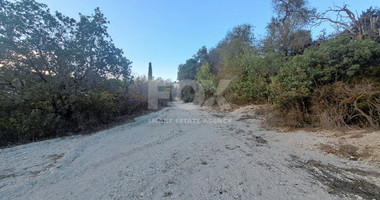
<point>167,32</point>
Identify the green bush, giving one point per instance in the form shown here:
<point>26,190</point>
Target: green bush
<point>187,94</point>
<point>93,109</point>
<point>206,79</point>
<point>337,60</point>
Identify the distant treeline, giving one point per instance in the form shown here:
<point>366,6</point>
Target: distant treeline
<point>332,81</point>
<point>60,76</point>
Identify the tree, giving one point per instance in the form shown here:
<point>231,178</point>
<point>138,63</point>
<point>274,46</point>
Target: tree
<point>56,73</point>
<point>201,56</point>
<point>190,68</point>
<point>206,79</point>
<point>365,26</point>
<point>34,41</point>
<point>150,77</point>
<point>286,31</point>
<point>238,41</point>
<point>187,70</point>
<point>234,51</point>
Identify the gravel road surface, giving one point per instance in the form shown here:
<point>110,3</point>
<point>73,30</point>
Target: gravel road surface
<point>182,152</point>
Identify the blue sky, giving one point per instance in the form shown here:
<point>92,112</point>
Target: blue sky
<point>167,32</point>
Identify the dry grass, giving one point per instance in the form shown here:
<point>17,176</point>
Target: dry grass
<point>339,106</point>
<point>347,151</point>
<point>327,148</point>
<point>290,120</point>
<point>342,105</point>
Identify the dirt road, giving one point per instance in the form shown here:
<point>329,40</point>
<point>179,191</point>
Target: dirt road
<point>181,152</point>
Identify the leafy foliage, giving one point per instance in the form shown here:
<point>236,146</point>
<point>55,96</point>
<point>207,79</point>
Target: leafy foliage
<point>189,70</point>
<point>334,78</point>
<point>58,75</point>
<point>187,94</point>
<point>336,60</point>
<point>286,31</point>
<point>206,79</point>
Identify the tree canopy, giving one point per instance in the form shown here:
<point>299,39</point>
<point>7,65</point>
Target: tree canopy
<point>56,73</point>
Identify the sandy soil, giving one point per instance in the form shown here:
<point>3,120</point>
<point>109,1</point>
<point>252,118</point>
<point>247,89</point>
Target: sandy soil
<point>351,143</point>
<point>184,152</point>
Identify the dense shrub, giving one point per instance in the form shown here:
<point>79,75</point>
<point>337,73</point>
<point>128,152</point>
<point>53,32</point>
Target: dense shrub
<point>59,75</point>
<point>187,94</point>
<point>332,81</point>
<point>319,72</point>
<point>338,59</point>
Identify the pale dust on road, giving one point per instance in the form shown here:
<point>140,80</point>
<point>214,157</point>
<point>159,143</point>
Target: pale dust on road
<point>180,152</point>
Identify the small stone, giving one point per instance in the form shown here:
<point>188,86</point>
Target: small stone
<point>203,162</point>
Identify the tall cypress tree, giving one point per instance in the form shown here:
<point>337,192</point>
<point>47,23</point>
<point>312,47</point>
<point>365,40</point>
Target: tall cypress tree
<point>150,77</point>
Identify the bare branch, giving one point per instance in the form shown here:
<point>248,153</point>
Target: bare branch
<point>339,17</point>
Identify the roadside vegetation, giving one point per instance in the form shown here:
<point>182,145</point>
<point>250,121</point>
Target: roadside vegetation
<point>61,76</point>
<point>332,81</point>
